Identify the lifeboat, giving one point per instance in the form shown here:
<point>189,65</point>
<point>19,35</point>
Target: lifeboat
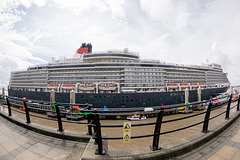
<point>202,84</point>
<point>136,117</point>
<point>193,84</point>
<point>68,86</point>
<point>183,85</point>
<point>107,87</point>
<point>86,87</point>
<point>172,85</point>
<point>53,86</point>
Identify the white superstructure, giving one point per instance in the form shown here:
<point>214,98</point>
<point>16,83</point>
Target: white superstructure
<point>116,72</point>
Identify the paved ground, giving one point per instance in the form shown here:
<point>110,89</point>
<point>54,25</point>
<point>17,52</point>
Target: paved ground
<point>225,146</point>
<point>21,144</point>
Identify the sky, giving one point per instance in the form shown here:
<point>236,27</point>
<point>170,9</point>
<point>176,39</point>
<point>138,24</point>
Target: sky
<point>181,32</point>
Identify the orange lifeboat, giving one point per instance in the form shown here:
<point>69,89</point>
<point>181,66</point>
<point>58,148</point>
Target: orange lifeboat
<point>170,85</point>
<point>194,84</point>
<point>52,86</point>
<point>68,86</point>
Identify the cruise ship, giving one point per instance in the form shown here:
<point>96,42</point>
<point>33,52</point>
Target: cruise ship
<point>117,79</point>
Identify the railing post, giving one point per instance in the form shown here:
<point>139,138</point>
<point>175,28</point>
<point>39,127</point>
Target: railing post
<point>228,107</point>
<point>157,131</point>
<point>238,102</point>
<point>206,119</point>
<point>60,128</point>
<point>9,107</point>
<point>100,150</point>
<point>26,110</point>
<point>94,128</point>
<point>89,118</point>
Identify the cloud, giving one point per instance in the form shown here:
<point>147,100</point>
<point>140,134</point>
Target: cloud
<point>182,32</point>
<point>156,9</point>
<point>114,7</point>
<point>197,31</point>
<point>15,50</point>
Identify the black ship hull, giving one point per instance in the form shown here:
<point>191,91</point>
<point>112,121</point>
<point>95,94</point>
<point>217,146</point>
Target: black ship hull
<point>121,100</point>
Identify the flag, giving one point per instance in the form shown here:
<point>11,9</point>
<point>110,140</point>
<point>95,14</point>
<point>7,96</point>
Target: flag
<point>164,107</point>
<point>189,103</point>
<point>77,107</point>
<point>105,108</point>
<point>84,113</point>
<point>54,106</point>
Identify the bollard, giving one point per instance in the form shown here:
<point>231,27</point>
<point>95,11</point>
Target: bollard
<point>72,99</point>
<point>206,119</point>
<point>157,131</point>
<point>100,150</point>
<point>89,118</point>
<point>3,93</point>
<point>238,102</point>
<point>9,107</point>
<point>26,110</point>
<point>60,128</point>
<point>186,99</point>
<point>228,107</point>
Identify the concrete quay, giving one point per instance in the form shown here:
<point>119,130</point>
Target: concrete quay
<point>18,143</point>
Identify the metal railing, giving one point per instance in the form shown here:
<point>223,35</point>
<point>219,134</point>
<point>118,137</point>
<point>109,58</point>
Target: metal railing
<point>93,120</point>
